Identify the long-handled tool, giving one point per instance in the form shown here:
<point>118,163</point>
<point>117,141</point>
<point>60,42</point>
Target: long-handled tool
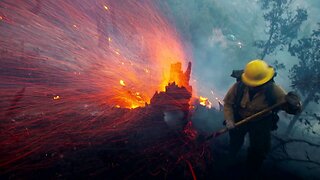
<point>246,120</point>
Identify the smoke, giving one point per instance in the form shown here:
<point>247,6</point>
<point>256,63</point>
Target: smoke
<point>174,120</point>
<point>67,58</point>
<point>221,34</point>
<point>65,64</point>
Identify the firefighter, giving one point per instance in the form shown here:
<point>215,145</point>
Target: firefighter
<point>254,91</point>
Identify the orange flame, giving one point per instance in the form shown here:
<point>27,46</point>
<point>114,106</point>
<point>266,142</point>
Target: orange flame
<point>122,83</point>
<point>56,97</point>
<point>205,102</point>
<point>143,50</point>
<point>106,7</point>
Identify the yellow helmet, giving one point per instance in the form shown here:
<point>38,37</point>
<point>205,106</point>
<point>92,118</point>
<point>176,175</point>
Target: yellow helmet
<point>256,73</point>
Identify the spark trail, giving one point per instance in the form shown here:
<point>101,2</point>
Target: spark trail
<point>68,64</point>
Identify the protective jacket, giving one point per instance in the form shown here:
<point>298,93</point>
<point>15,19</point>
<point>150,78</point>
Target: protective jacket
<point>250,105</point>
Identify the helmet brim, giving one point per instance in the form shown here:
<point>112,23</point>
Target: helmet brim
<point>255,83</point>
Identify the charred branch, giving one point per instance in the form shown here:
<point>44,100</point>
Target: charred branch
<point>280,154</point>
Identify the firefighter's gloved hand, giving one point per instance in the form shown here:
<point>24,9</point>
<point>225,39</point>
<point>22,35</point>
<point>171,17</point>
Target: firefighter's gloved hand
<point>294,103</point>
<point>230,124</point>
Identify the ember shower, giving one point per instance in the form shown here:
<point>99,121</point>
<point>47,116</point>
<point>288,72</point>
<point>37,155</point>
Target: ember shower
<point>63,59</point>
<point>106,88</point>
<point>110,48</point>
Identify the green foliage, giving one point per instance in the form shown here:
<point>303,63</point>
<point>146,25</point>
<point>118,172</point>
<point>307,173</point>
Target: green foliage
<point>282,25</point>
<point>305,75</point>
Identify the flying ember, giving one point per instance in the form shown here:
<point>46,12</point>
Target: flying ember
<point>78,49</point>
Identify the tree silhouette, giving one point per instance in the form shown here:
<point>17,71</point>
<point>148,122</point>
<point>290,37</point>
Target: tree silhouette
<point>282,26</point>
<point>305,76</point>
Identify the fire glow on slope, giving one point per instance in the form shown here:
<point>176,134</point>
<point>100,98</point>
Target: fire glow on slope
<point>62,61</point>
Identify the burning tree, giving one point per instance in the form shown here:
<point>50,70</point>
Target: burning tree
<point>177,93</point>
<point>282,25</point>
<point>305,76</point>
